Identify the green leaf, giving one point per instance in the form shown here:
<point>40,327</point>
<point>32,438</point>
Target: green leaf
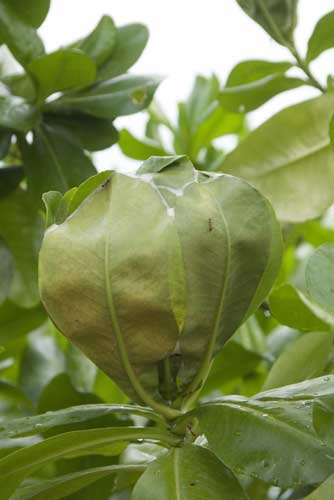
<point>24,426</point>
<point>123,95</point>
<point>6,271</point>
<point>324,492</point>
<point>62,70</point>
<point>5,141</point>
<point>16,113</point>
<point>237,251</point>
<point>232,362</point>
<point>21,39</point>
<point>55,489</point>
<point>86,188</point>
<point>306,358</point>
<point>99,44</point>
<point>87,132</point>
<point>244,98</point>
<point>322,37</point>
<point>20,464</point>
<point>32,12</point>
<point>286,451</point>
<point>139,149</point>
<point>16,322</point>
<point>253,70</point>
<point>319,276</point>
<point>12,392</point>
<point>292,308</point>
<point>331,131</point>
<point>131,40</point>
<point>277,17</point>
<point>10,178</point>
<point>59,206</point>
<point>42,360</point>
<point>51,201</point>
<point>52,162</point>
<point>201,103</point>
<point>80,369</point>
<point>323,419</point>
<point>307,390</point>
<point>188,473</point>
<point>21,228</point>
<point>21,85</point>
<point>280,159</point>
<point>216,123</point>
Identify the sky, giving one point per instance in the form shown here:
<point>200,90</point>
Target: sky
<point>187,37</point>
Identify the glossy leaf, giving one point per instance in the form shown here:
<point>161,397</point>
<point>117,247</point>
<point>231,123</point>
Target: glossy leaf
<point>138,149</point>
<point>62,70</point>
<point>21,85</point>
<point>323,419</point>
<point>123,95</point>
<point>6,270</point>
<point>5,141</point>
<point>20,464</point>
<point>131,40</point>
<point>42,359</point>
<point>207,317</point>
<point>232,362</point>
<point>16,322</point>
<point>73,415</point>
<point>217,123</point>
<point>21,228</point>
<point>277,17</point>
<point>279,158</point>
<point>10,391</point>
<point>324,492</point>
<point>80,369</point>
<point>322,37</point>
<point>292,308</point>
<point>99,44</point>
<point>306,358</point>
<point>188,473</point>
<point>32,12</point>
<point>52,162</point>
<point>286,451</point>
<point>253,70</point>
<point>59,207</point>
<point>247,97</point>
<point>55,489</point>
<point>10,178</point>
<point>308,390</point>
<point>21,39</point>
<point>319,276</point>
<point>87,132</point>
<point>16,113</point>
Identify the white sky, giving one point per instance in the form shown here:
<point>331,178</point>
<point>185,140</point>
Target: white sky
<point>187,37</point>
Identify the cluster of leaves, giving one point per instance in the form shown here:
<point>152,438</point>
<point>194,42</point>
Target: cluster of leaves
<point>201,121</point>
<point>273,439</point>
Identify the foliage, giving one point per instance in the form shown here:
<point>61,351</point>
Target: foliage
<point>170,279</point>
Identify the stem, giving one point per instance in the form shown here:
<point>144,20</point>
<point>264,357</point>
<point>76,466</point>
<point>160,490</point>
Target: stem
<point>301,63</point>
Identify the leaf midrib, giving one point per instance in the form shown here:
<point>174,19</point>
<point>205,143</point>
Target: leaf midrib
<point>277,168</point>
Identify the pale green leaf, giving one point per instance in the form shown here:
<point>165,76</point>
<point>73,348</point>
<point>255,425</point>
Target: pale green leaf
<point>62,70</point>
<point>188,473</point>
<point>306,358</point>
<point>282,156</point>
<point>322,37</point>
